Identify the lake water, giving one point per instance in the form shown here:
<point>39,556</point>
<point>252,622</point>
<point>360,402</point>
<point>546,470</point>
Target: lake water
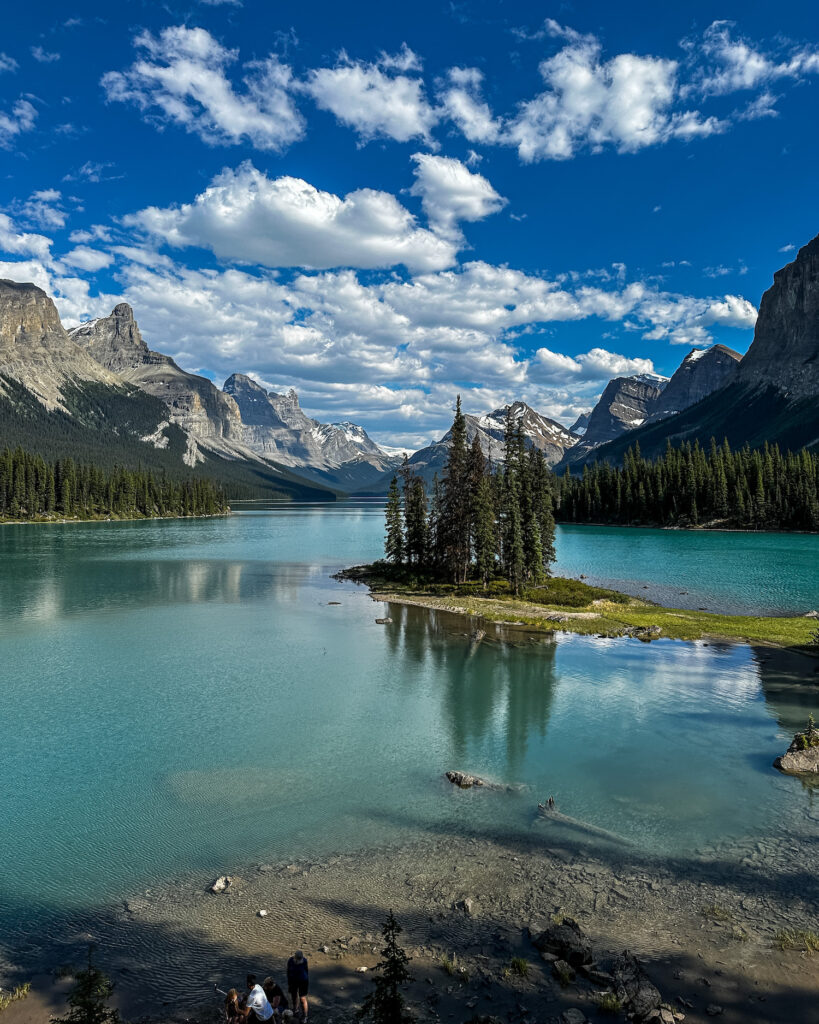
<point>182,696</point>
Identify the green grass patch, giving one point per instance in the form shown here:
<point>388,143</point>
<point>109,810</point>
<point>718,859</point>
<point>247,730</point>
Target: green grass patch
<point>16,994</point>
<point>798,938</point>
<point>607,1002</point>
<point>716,912</point>
<point>519,966</point>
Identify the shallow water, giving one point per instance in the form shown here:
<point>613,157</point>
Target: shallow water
<point>181,696</point>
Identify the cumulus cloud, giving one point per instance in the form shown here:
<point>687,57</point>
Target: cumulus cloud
<point>20,243</point>
<point>451,193</point>
<point>43,208</point>
<point>7,63</point>
<point>375,99</point>
<point>596,365</point>
<point>625,102</point>
<point>286,222</point>
<point>20,119</point>
<point>182,78</point>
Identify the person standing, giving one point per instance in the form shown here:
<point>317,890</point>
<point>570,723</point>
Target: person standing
<point>298,982</point>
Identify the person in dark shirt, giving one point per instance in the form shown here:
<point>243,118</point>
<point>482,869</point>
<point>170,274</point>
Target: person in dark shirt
<point>298,982</point>
<point>275,995</point>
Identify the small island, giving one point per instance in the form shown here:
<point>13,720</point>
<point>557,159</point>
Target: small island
<point>483,546</point>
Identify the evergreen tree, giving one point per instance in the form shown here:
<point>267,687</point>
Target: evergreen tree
<point>386,1004</point>
<point>88,999</point>
<point>455,505</point>
<point>394,543</point>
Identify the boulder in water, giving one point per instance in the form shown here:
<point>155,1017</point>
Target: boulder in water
<point>222,884</point>
<point>802,756</point>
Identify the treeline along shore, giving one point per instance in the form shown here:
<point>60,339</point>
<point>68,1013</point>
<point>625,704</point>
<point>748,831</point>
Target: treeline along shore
<point>34,490</point>
<point>761,489</point>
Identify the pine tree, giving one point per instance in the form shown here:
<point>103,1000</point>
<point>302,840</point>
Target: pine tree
<point>455,505</point>
<point>394,543</point>
<point>386,1004</point>
<point>89,997</point>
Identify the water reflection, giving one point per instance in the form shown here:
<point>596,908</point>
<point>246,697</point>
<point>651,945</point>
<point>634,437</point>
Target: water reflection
<point>501,685</point>
<point>789,682</point>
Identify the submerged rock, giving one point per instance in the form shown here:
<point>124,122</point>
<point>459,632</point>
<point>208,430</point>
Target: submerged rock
<point>464,780</point>
<point>222,884</point>
<point>802,756</point>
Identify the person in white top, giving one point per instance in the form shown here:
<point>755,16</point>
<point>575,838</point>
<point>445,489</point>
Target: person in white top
<point>257,1006</point>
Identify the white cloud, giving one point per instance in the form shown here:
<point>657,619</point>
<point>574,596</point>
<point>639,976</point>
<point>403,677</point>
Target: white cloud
<point>463,103</point>
<point>375,99</point>
<point>451,193</point>
<point>42,56</point>
<point>20,243</point>
<point>7,63</point>
<point>181,78</point>
<point>43,208</point>
<point>83,257</point>
<point>21,119</point>
<point>625,102</point>
<point>725,64</point>
<point>286,222</point>
<point>595,365</point>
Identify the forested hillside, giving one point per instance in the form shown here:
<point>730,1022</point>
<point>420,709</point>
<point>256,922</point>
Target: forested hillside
<point>32,489</point>
<point>759,489</point>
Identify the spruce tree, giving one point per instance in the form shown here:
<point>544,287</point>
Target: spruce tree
<point>88,999</point>
<point>386,1003</point>
<point>394,542</point>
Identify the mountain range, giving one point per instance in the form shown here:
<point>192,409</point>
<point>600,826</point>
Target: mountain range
<point>99,392</point>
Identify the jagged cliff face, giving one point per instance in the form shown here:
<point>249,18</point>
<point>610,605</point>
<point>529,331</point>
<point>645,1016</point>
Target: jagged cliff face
<point>193,402</point>
<point>785,349</point>
<point>36,350</point>
<point>276,426</point>
<point>625,404</point>
<point>702,372</point>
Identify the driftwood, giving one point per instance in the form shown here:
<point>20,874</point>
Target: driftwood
<point>550,813</point>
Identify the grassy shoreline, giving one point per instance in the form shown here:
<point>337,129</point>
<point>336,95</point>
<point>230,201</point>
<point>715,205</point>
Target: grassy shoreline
<point>572,606</point>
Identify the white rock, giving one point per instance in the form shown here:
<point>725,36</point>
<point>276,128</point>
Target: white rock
<point>361,970</point>
<point>261,913</point>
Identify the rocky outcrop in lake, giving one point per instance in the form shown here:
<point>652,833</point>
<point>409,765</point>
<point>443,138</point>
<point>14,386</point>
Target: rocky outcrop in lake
<point>802,756</point>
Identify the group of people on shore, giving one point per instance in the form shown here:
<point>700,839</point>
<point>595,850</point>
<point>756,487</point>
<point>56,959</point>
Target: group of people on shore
<point>267,1001</point>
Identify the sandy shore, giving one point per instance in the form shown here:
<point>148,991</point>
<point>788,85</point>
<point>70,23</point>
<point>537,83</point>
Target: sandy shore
<point>705,927</point>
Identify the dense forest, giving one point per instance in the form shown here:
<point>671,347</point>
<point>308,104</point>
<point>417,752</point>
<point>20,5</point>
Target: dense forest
<point>481,521</point>
<point>760,489</point>
<point>31,488</point>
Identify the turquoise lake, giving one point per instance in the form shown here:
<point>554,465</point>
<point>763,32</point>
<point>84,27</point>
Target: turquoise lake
<point>181,696</point>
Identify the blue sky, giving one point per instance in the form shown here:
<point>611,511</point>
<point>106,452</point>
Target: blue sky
<point>381,205</point>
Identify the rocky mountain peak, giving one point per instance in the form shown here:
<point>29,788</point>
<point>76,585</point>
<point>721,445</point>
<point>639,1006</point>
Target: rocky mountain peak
<point>785,349</point>
<point>122,311</point>
<point>702,372</point>
<point>35,348</point>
